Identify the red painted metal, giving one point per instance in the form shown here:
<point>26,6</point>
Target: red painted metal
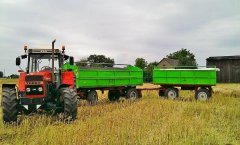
<point>21,81</point>
<point>68,78</point>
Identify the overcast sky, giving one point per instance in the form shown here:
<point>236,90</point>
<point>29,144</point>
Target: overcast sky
<point>123,29</point>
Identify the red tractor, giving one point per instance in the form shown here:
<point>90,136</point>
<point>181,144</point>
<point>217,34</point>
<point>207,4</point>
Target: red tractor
<point>44,85</point>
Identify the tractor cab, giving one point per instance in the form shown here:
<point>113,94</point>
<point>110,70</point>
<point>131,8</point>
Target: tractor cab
<point>42,62</point>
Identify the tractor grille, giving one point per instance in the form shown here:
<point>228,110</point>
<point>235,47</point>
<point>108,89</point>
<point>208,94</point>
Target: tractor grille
<point>34,78</point>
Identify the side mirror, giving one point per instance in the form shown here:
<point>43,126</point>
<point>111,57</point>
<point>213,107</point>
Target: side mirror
<point>24,56</point>
<point>18,61</point>
<point>71,60</point>
<point>66,57</point>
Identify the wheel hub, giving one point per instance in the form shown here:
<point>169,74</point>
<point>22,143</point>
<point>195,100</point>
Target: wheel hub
<point>133,95</point>
<point>202,96</point>
<point>172,94</point>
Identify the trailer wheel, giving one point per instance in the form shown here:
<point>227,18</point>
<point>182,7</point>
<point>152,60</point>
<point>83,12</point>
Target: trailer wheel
<point>69,97</point>
<point>171,93</point>
<point>92,97</point>
<point>202,94</point>
<point>9,105</point>
<point>139,93</point>
<point>161,93</point>
<point>114,95</point>
<point>132,94</point>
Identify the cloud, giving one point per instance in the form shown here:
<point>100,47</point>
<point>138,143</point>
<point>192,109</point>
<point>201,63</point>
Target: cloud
<point>123,30</point>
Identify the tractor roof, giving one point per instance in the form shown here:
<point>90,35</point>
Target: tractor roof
<point>45,51</point>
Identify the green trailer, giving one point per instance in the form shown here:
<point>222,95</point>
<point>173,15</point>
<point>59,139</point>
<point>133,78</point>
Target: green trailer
<point>121,82</point>
<point>199,79</point>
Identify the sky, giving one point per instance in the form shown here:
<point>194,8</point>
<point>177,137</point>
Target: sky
<point>120,29</point>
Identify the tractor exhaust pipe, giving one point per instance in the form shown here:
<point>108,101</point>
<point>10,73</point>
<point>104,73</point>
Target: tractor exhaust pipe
<point>53,60</point>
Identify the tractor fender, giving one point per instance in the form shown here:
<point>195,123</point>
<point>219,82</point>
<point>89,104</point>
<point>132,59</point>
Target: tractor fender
<point>8,85</point>
<point>64,86</point>
<point>68,79</point>
<point>21,81</point>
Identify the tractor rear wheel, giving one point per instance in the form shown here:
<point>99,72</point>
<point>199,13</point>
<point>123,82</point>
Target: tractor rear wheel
<point>9,105</point>
<point>69,97</point>
<point>114,95</point>
<point>92,97</point>
<point>132,94</point>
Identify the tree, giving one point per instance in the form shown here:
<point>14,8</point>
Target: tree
<point>149,71</point>
<point>82,62</point>
<point>14,76</point>
<point>93,59</point>
<point>184,56</point>
<point>1,74</point>
<point>141,63</point>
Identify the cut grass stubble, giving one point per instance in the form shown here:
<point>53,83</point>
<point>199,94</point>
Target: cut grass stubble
<point>151,120</point>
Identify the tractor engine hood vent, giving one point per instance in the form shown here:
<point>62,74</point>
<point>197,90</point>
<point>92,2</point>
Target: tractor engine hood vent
<point>34,78</point>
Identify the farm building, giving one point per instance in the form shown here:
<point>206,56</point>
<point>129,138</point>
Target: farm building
<point>167,62</point>
<point>229,68</point>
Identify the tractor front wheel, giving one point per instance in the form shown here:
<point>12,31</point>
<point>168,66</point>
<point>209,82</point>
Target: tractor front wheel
<point>9,105</point>
<point>69,97</point>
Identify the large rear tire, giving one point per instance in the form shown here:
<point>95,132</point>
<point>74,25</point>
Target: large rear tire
<point>69,97</point>
<point>114,95</point>
<point>9,105</point>
<point>92,97</point>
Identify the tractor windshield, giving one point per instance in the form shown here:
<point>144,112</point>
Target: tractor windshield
<point>41,62</point>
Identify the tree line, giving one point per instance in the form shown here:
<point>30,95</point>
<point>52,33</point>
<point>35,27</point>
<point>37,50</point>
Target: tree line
<point>184,57</point>
<point>12,76</point>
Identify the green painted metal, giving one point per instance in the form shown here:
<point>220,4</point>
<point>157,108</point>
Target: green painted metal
<point>201,77</point>
<point>90,77</point>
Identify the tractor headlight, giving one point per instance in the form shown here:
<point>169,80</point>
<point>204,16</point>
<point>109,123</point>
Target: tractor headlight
<point>28,89</point>
<point>40,89</point>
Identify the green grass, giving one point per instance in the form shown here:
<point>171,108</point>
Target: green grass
<point>151,120</point>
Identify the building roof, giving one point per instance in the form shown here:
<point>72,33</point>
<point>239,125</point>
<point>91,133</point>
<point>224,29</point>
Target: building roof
<point>233,57</point>
<point>173,62</point>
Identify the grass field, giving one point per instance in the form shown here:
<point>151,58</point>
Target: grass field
<point>151,120</point>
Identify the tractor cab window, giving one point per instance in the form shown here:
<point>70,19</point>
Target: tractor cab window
<point>41,62</point>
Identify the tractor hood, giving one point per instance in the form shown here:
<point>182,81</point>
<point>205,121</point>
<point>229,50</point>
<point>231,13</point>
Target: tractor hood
<point>45,75</point>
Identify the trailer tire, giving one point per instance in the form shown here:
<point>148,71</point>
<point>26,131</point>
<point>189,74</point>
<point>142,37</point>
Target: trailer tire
<point>9,105</point>
<point>161,93</point>
<point>202,94</point>
<point>132,94</point>
<point>171,93</point>
<point>69,97</point>
<point>114,95</point>
<point>92,97</point>
<point>139,94</point>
